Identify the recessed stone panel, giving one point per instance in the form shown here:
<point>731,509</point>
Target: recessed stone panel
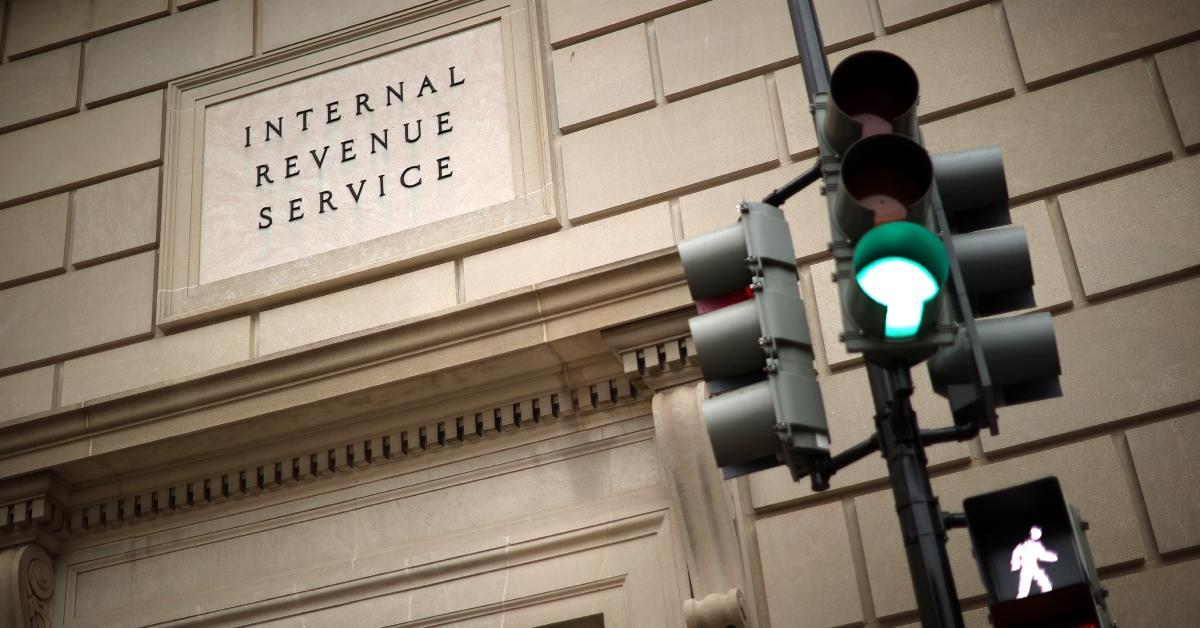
<point>577,19</point>
<point>797,118</point>
<point>1178,69</point>
<point>843,21</point>
<point>162,49</point>
<point>40,86</point>
<point>714,41</point>
<point>650,154</point>
<point>1049,136</point>
<point>290,21</point>
<point>1053,38</point>
<point>811,547</point>
<point>27,392</point>
<point>391,149</point>
<point>40,23</point>
<point>32,237</point>
<point>977,71</point>
<point>603,77</point>
<point>82,147</point>
<point>898,13</point>
<point>1136,228</point>
<point>1163,595</point>
<point>115,216</point>
<point>1050,289</point>
<point>1169,474</point>
<point>79,310</point>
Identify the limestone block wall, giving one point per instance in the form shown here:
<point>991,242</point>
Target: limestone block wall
<point>1089,104</point>
<point>81,151</point>
<point>662,114</point>
<point>526,531</point>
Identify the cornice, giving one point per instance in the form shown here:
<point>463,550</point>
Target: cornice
<point>348,456</point>
<point>32,510</point>
<point>548,327</point>
<point>658,350</point>
<point>561,350</point>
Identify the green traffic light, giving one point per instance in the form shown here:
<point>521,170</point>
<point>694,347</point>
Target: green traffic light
<point>901,266</point>
<point>903,287</point>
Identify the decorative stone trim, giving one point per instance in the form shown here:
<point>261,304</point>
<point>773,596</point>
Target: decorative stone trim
<point>717,610</point>
<point>26,586</point>
<point>428,573</point>
<point>367,365</point>
<point>40,511</point>
<point>659,350</point>
<point>663,364</point>
<point>409,442</point>
<point>31,510</point>
<point>657,358</point>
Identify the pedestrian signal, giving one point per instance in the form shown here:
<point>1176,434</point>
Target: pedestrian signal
<point>1034,559</point>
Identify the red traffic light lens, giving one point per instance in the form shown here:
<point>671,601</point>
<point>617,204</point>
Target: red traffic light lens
<point>704,306</point>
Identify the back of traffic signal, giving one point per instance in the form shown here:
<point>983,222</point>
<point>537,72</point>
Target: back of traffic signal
<point>765,407</point>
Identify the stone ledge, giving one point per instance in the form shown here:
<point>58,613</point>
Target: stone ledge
<point>345,457</point>
<point>536,330</point>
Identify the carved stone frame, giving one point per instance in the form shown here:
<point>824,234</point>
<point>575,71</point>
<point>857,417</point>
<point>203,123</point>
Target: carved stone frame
<point>183,300</point>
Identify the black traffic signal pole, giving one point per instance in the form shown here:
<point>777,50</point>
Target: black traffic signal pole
<point>921,519</point>
<point>898,436</point>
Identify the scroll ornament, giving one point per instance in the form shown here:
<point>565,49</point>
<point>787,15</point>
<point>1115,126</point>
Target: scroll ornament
<point>26,586</point>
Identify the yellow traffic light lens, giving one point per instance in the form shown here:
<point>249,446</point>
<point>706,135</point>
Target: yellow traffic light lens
<point>903,287</point>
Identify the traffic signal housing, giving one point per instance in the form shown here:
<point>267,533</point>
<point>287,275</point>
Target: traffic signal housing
<point>765,408</point>
<point>1034,559</point>
<point>890,265</point>
<point>999,361</point>
<point>922,245</point>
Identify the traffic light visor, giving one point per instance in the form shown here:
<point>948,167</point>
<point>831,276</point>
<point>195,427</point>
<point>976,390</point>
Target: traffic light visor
<point>871,92</point>
<point>883,179</point>
<point>714,263</point>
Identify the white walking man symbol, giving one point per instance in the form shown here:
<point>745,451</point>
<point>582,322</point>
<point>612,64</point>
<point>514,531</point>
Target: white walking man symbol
<point>1026,557</point>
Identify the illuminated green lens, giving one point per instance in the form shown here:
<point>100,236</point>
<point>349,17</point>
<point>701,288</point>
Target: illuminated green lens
<point>901,265</point>
<point>903,287</point>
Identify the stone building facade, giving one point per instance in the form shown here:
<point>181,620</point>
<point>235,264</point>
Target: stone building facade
<point>484,412</point>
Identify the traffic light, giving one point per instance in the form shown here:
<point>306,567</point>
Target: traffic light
<point>922,245</point>
<point>1000,361</point>
<point>1034,559</point>
<point>890,265</point>
<point>755,351</point>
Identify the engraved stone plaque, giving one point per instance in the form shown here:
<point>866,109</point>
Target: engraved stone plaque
<point>380,151</point>
<point>406,139</point>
